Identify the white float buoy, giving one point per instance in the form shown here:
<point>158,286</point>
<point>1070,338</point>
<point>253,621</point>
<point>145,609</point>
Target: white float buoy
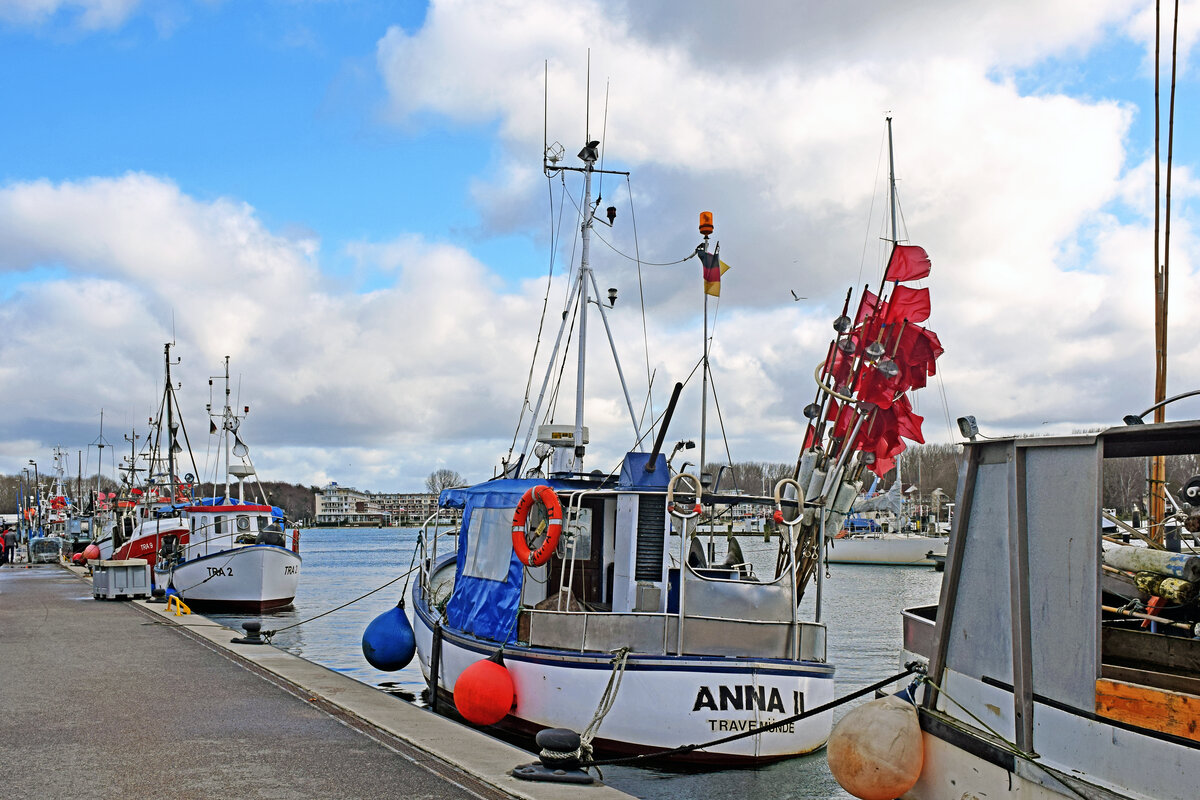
<point>875,752</point>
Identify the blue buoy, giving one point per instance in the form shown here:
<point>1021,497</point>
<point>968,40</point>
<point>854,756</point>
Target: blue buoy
<point>388,642</point>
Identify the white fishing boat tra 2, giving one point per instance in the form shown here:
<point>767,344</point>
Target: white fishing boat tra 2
<point>234,557</point>
<point>234,560</point>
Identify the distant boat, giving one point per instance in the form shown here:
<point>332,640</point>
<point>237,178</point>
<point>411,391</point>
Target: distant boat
<point>893,549</point>
<point>233,557</point>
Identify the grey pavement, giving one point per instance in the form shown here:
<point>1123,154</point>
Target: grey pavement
<point>117,699</point>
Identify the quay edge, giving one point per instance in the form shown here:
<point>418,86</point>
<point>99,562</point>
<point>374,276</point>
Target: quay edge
<point>437,746</point>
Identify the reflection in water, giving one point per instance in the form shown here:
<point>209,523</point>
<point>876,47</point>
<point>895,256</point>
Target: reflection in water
<point>861,608</point>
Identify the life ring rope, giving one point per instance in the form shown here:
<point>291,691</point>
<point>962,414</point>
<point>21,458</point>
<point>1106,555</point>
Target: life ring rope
<point>553,525</point>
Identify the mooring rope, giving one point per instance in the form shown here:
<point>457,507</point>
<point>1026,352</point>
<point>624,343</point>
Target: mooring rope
<point>821,709</point>
<point>268,634</point>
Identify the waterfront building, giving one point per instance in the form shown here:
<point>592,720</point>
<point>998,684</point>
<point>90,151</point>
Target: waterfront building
<point>345,505</point>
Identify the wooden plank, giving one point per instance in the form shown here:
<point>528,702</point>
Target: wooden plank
<point>1173,713</point>
<point>1152,651</point>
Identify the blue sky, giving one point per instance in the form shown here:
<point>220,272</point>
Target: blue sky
<point>346,198</point>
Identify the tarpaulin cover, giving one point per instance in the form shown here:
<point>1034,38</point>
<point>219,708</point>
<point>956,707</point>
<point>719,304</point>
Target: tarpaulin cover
<point>488,576</point>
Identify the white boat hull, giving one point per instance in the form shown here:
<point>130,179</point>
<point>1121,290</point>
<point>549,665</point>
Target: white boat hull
<point>249,578</point>
<point>663,701</point>
<point>1078,755</point>
<point>888,548</point>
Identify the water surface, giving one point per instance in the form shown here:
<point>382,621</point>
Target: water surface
<point>861,606</point>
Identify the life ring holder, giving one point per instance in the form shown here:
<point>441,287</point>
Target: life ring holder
<point>779,487</point>
<point>554,516</point>
<point>671,507</point>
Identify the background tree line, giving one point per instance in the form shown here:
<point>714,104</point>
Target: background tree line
<point>927,467</point>
<point>935,466</point>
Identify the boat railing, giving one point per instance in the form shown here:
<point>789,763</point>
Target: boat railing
<point>202,541</point>
<point>428,542</point>
<point>657,634</point>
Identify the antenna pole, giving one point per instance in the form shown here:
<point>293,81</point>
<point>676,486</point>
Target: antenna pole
<point>892,181</point>
<point>225,425</point>
<point>589,159</point>
<point>704,378</point>
<point>545,110</point>
<point>170,423</point>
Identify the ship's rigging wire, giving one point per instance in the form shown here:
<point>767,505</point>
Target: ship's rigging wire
<point>555,237</point>
<point>871,212</point>
<point>649,403</point>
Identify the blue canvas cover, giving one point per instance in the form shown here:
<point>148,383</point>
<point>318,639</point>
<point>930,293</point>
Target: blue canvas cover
<point>488,576</point>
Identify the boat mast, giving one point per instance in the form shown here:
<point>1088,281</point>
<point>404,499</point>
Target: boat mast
<point>895,241</point>
<point>226,429</point>
<point>100,443</point>
<point>171,424</point>
<point>589,154</point>
<point>1158,464</point>
<point>704,382</point>
<point>583,276</point>
<point>892,181</point>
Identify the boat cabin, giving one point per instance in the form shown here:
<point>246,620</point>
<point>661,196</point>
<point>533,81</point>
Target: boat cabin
<point>214,528</point>
<point>621,575</point>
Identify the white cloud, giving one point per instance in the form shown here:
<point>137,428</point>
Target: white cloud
<point>89,14</point>
<point>771,115</point>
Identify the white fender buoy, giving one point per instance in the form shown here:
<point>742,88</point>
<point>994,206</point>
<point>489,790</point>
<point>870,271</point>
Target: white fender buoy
<point>875,752</point>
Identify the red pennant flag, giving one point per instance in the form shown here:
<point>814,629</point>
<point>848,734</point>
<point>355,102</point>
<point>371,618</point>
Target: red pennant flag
<point>916,355</point>
<point>868,306</point>
<point>908,424</point>
<point>845,420</point>
<point>841,368</point>
<point>875,387</point>
<point>908,263</point>
<point>909,304</point>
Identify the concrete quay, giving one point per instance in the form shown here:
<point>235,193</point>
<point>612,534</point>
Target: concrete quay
<point>119,699</point>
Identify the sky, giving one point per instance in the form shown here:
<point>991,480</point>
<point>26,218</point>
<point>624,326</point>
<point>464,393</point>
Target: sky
<point>347,199</point>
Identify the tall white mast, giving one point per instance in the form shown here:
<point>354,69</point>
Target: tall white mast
<point>579,292</point>
<point>588,154</point>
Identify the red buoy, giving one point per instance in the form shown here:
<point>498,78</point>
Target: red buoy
<point>77,558</point>
<point>484,692</point>
<point>90,552</point>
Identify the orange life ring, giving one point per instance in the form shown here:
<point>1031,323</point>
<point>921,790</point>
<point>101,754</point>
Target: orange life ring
<point>549,499</point>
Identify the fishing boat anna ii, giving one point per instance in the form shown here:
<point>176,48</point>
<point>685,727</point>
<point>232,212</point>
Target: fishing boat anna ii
<point>583,599</point>
<point>606,614</point>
